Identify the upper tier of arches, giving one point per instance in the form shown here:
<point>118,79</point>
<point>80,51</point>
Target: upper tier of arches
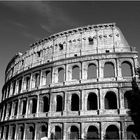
<point>94,39</point>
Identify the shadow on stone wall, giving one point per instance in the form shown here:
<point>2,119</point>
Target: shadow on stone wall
<point>135,106</point>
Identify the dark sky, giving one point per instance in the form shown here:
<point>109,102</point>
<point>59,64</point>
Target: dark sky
<point>23,23</point>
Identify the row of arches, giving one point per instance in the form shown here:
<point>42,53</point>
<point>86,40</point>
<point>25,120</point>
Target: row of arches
<point>43,103</point>
<point>112,132</point>
<point>109,70</point>
<point>20,133</point>
<point>59,76</point>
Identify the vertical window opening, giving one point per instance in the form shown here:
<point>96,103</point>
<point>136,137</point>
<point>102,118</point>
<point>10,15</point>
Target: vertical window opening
<point>92,133</point>
<point>58,133</point>
<point>75,102</point>
<point>126,69</point>
<point>45,104</point>
<point>109,70</point>
<point>27,83</point>
<point>76,72</point>
<point>24,107</point>
<point>92,71</point>
<point>43,132</point>
<point>16,108</point>
<point>19,86</point>
<point>127,99</point>
<point>92,102</point>
<point>112,133</point>
<point>48,77</point>
<point>110,100</point>
<point>74,133</point>
<point>60,75</point>
<point>59,101</point>
<point>90,41</point>
<point>131,133</point>
<point>34,105</point>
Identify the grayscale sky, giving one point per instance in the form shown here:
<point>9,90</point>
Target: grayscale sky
<point>23,23</point>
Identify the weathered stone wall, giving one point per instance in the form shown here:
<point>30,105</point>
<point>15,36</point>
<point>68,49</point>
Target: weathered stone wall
<point>36,103</point>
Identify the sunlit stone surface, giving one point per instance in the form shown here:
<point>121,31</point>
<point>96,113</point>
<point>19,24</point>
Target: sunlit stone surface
<point>73,84</point>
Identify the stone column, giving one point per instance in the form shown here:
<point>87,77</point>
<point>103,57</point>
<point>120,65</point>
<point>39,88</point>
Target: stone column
<point>24,131</point>
<point>22,85</point>
<point>121,101</point>
<point>83,102</point>
<point>101,102</point>
<point>101,70</point>
<point>35,131</point>
<point>16,132</point>
<point>52,104</point>
<point>118,69</point>
<point>81,71</point>
<point>67,73</point>
<point>27,106</point>
<point>18,108</point>
<point>3,112</point>
<point>102,137</point>
<point>54,76</point>
<point>123,133</point>
<point>37,109</point>
<point>65,104</point>
<point>83,135</point>
<point>49,130</point>
<point>40,80</point>
<point>31,78</point>
<point>65,132</point>
<point>7,111</point>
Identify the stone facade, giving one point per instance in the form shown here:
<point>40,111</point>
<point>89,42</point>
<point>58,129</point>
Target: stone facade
<point>71,85</point>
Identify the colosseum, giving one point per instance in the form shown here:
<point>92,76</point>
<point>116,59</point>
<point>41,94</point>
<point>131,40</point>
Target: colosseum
<point>72,85</point>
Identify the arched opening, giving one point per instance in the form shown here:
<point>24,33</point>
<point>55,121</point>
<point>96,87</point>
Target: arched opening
<point>126,69</point>
<point>6,132</point>
<point>24,102</point>
<point>20,133</point>
<point>43,131</point>
<point>58,133</point>
<point>75,102</point>
<point>59,103</point>
<point>76,72</point>
<point>74,133</point>
<point>45,104</point>
<point>10,109</point>
<point>60,75</point>
<point>15,108</point>
<point>92,102</point>
<point>30,133</point>
<point>127,98</point>
<point>27,83</point>
<point>2,132</point>
<point>37,79</point>
<point>109,70</point>
<point>33,105</point>
<point>131,133</point>
<point>48,77</point>
<point>13,130</point>
<point>112,133</point>
<point>92,133</point>
<point>19,85</point>
<point>92,71</point>
<point>110,100</point>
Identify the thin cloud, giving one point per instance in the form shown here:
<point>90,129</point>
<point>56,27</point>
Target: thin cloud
<point>53,16</point>
<point>46,28</point>
<point>18,24</point>
<point>30,36</point>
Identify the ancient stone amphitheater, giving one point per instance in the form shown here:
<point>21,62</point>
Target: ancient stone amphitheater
<point>72,85</point>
